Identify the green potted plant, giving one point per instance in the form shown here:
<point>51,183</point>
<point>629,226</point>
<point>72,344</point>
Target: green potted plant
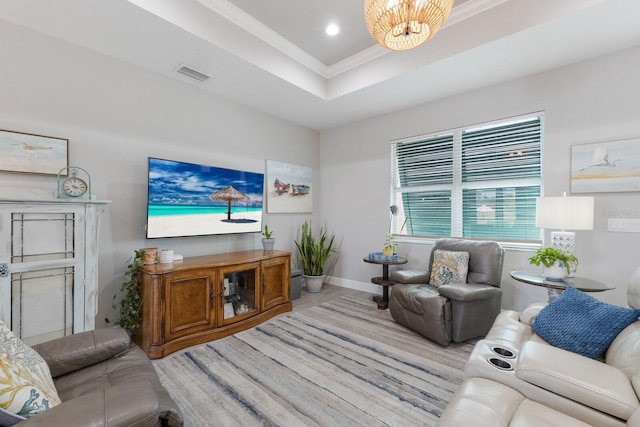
<point>314,251</point>
<point>556,263</point>
<point>389,246</point>
<point>267,241</point>
<point>130,305</point>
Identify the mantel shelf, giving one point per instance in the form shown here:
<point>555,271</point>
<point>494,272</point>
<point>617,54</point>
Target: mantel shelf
<point>32,195</point>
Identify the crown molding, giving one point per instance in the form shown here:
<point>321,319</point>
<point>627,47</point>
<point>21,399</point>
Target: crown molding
<point>470,8</point>
<point>245,21</point>
<point>251,25</point>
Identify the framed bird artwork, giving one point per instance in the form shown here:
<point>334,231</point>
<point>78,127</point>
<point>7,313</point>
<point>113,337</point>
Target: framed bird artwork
<point>29,153</point>
<point>606,166</point>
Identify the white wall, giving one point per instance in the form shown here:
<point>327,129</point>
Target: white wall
<point>115,116</point>
<point>588,102</point>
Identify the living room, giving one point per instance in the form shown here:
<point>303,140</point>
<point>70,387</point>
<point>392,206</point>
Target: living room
<point>116,115</point>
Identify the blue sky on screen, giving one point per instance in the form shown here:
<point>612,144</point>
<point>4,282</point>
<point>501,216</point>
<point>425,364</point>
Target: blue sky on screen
<point>178,183</point>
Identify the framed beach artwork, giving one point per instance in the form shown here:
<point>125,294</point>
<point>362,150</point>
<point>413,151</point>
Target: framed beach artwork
<point>188,199</point>
<point>28,153</point>
<point>289,188</point>
<point>610,166</point>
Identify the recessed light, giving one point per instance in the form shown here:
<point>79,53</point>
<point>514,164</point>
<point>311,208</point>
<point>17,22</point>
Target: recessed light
<point>332,29</point>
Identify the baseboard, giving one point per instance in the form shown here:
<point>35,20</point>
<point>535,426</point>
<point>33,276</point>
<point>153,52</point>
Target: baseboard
<point>352,284</point>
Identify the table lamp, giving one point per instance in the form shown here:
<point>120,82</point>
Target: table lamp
<point>564,213</point>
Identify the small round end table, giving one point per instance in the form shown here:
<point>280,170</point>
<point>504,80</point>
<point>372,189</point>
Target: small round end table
<point>555,287</point>
<point>383,301</point>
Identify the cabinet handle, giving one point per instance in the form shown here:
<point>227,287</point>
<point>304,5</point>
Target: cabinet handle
<point>4,270</point>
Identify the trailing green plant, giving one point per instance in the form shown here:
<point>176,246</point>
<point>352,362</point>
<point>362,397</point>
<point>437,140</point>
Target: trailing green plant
<point>548,256</point>
<point>266,233</point>
<point>314,251</point>
<point>130,305</point>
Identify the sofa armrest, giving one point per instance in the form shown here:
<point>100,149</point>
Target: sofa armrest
<point>122,405</point>
<point>73,352</point>
<point>587,381</point>
<point>531,311</point>
<point>467,291</point>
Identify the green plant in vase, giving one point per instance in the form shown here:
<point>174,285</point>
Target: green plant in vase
<point>390,246</point>
<point>268,240</point>
<point>550,257</point>
<point>313,252</point>
<point>267,233</point>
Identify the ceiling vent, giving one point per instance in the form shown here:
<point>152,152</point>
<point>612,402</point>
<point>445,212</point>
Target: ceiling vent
<point>190,72</point>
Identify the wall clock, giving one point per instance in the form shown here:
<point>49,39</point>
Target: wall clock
<point>74,183</point>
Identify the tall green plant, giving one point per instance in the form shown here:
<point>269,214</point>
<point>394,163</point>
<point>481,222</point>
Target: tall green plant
<point>314,251</point>
<point>130,305</point>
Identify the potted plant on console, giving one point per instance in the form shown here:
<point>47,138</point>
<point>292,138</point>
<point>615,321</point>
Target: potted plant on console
<point>314,251</point>
<point>557,264</point>
<point>267,241</point>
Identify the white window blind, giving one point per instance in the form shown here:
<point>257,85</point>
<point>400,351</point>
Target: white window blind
<point>478,182</point>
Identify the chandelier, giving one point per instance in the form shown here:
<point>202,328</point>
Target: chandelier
<point>405,24</point>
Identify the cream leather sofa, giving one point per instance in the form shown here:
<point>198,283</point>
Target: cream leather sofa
<point>515,378</point>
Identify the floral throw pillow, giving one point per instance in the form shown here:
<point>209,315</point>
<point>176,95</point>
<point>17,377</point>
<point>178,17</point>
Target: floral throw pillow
<point>26,386</point>
<point>449,267</point>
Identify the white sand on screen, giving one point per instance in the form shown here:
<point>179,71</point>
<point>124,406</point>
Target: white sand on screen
<point>193,225</point>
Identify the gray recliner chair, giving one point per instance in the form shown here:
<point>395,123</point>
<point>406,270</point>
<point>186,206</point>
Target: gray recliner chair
<point>103,380</point>
<point>456,311</point>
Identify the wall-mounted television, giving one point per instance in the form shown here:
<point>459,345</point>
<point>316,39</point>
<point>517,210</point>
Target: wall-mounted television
<point>186,199</point>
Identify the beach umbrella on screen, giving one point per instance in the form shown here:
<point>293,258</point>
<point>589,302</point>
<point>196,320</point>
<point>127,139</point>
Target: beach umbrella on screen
<point>228,194</point>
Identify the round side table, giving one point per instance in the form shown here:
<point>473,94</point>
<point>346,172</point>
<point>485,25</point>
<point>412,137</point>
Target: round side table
<point>383,301</point>
<point>556,287</point>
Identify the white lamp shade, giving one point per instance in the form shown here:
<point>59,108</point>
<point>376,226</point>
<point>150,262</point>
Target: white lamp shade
<point>564,213</point>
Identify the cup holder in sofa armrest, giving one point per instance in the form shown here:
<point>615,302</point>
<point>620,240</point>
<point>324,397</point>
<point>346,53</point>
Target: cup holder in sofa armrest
<point>503,352</point>
<point>500,364</point>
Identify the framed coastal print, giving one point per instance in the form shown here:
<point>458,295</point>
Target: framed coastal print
<point>29,153</point>
<point>606,166</point>
<point>289,188</point>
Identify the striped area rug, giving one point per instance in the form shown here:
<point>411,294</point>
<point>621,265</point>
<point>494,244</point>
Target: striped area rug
<point>343,363</point>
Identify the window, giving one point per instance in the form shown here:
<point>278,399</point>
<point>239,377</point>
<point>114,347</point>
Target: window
<point>480,182</point>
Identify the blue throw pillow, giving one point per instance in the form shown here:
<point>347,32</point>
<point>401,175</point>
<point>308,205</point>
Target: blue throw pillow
<point>579,323</point>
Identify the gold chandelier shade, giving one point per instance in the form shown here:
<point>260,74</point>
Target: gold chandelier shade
<point>405,24</point>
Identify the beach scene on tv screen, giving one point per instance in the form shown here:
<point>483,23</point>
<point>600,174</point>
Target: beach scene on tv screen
<point>187,199</point>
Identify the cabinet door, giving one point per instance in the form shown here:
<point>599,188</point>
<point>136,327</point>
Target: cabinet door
<point>42,290</point>
<point>276,282</point>
<point>189,297</point>
<point>240,299</point>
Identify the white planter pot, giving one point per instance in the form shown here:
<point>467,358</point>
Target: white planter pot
<point>557,271</point>
<point>314,283</point>
<point>267,244</point>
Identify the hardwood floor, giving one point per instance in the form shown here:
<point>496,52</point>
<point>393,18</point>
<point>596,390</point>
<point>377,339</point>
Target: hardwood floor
<point>329,292</point>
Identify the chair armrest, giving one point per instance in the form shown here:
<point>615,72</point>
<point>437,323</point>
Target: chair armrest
<point>587,381</point>
<point>467,291</point>
<point>415,277</point>
<point>123,405</point>
<point>73,352</point>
